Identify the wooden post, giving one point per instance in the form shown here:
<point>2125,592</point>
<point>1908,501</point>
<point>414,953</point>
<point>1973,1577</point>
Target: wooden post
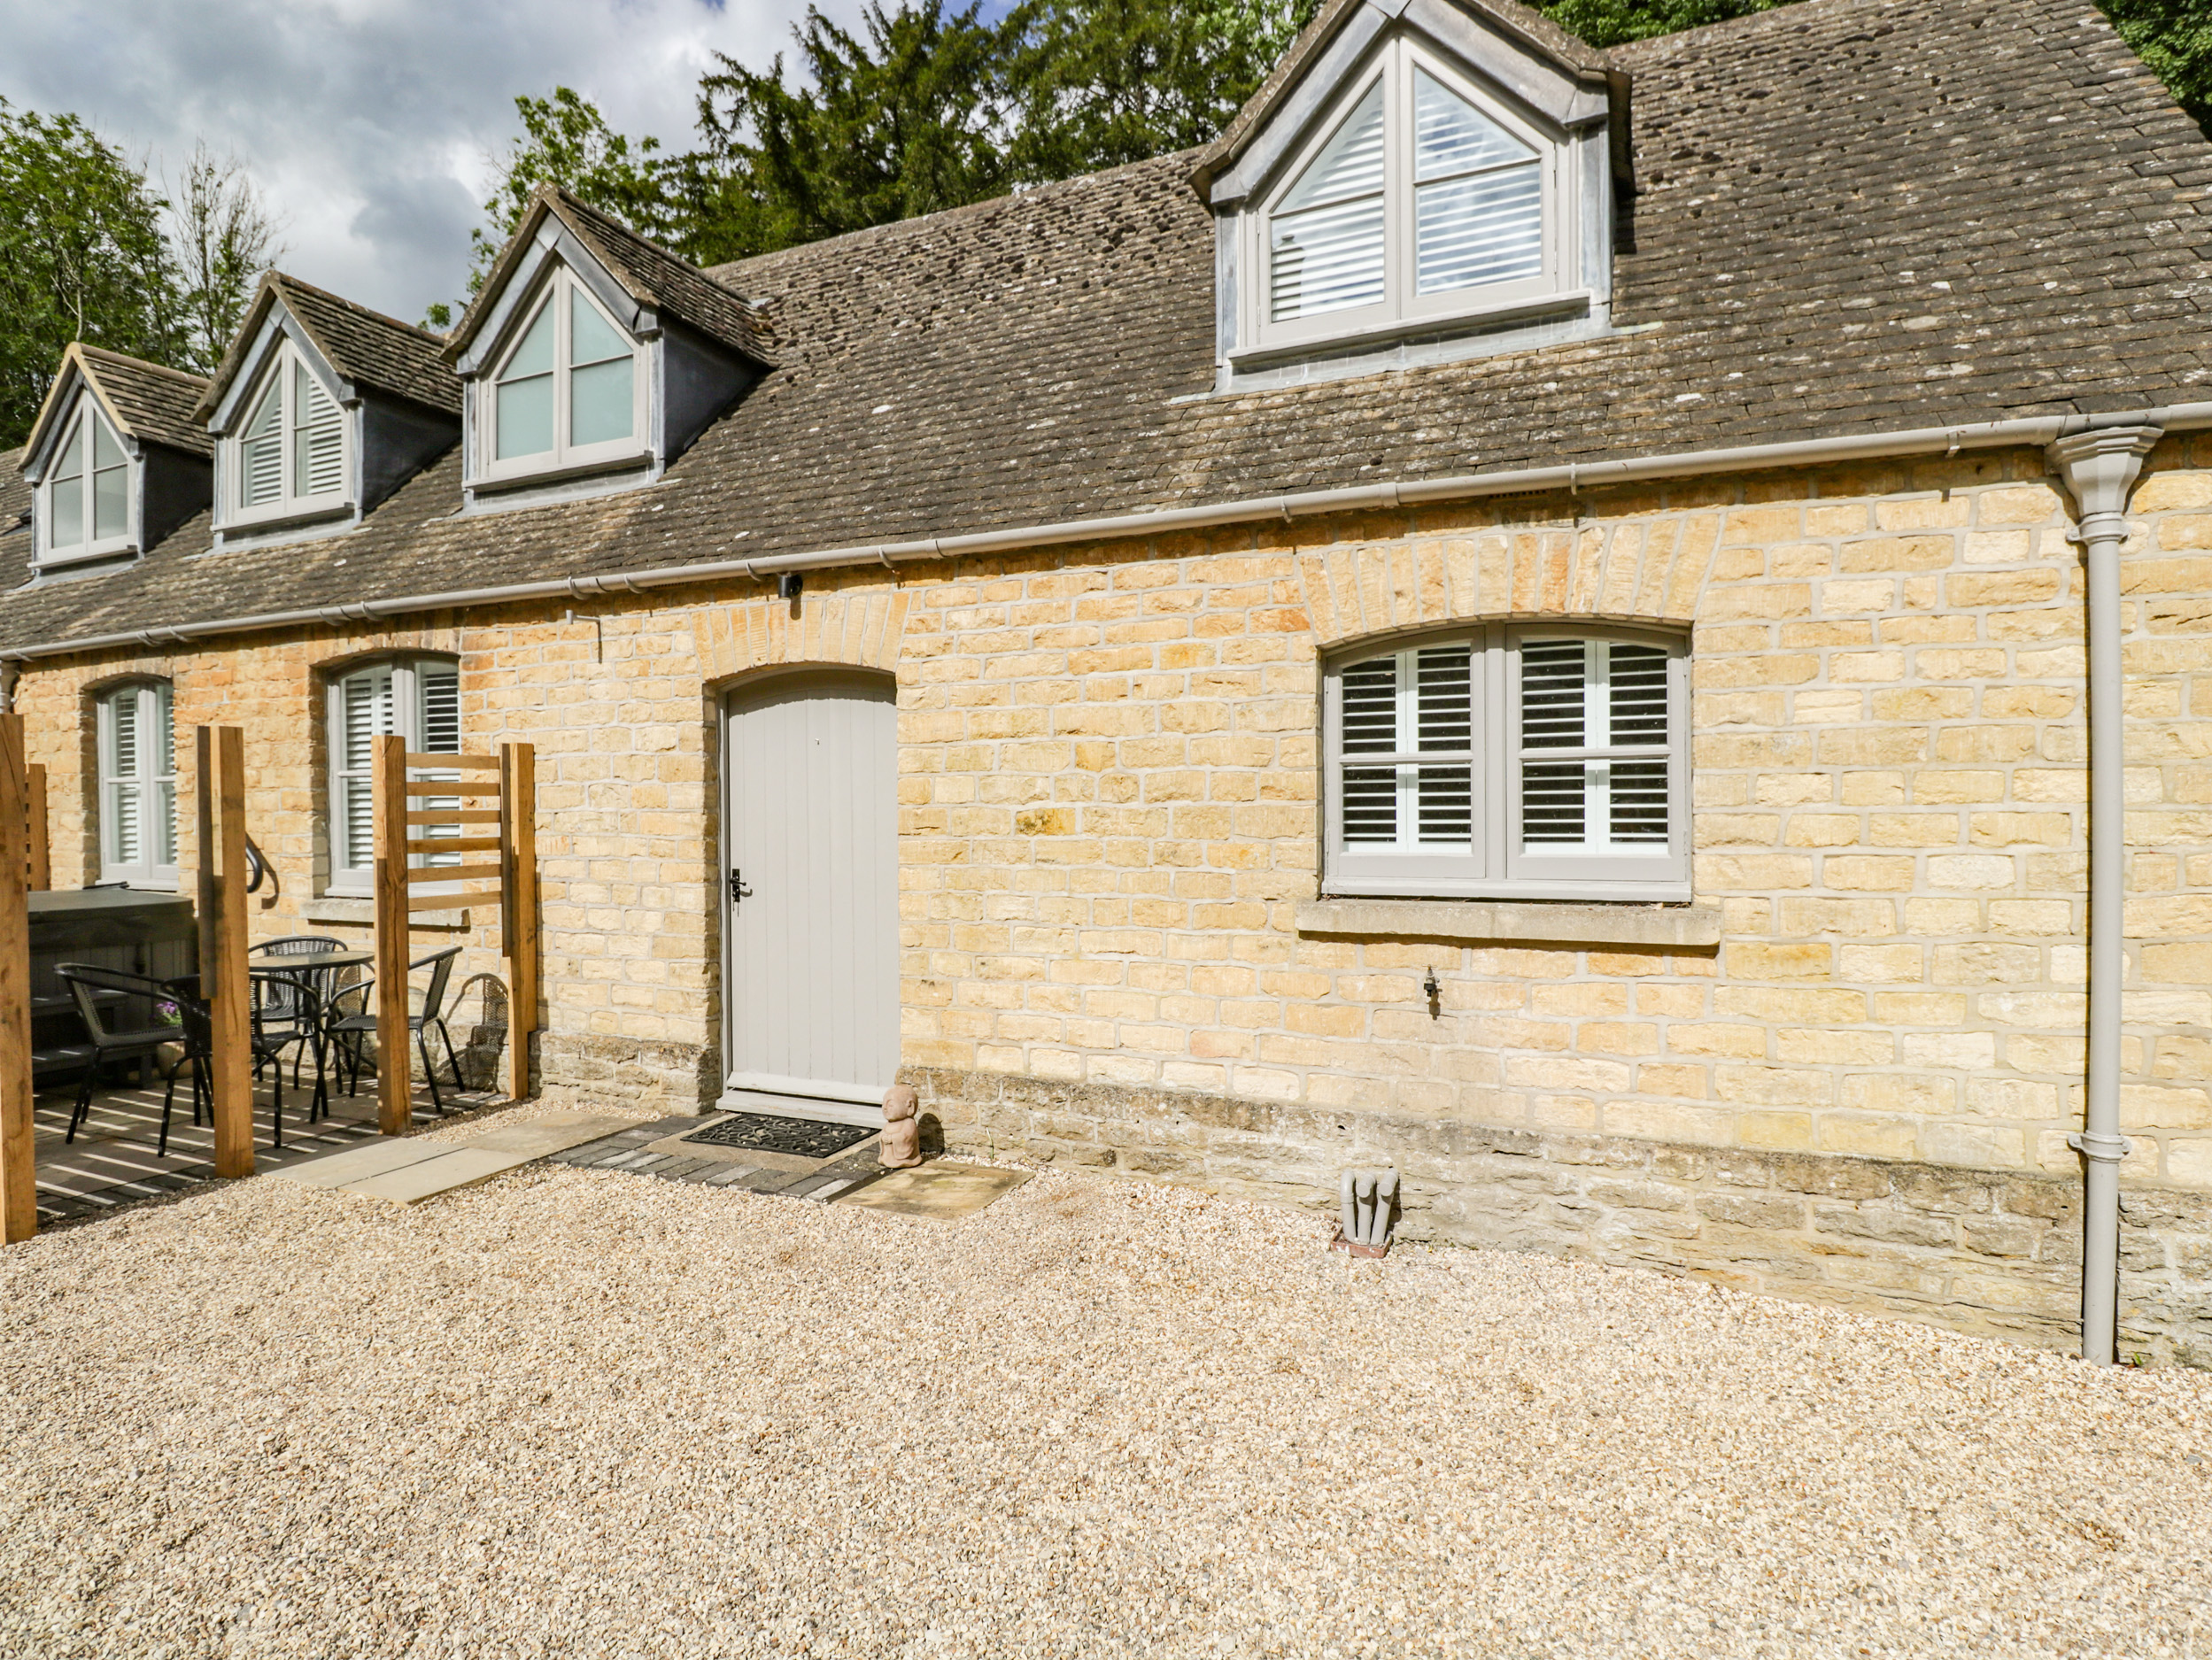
<point>219,793</point>
<point>19,1172</point>
<point>395,1063</point>
<point>41,859</point>
<point>518,908</point>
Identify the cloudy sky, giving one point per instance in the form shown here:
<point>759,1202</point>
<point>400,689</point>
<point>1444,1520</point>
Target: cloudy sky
<point>370,123</point>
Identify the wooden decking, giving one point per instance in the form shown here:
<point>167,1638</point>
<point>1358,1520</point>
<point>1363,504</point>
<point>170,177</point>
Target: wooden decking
<point>112,1161</point>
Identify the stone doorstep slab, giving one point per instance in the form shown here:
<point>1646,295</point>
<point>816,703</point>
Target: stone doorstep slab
<point>541,1138</point>
<point>399,1170</point>
<point>453,1167</point>
<point>355,1164</point>
<point>939,1191</point>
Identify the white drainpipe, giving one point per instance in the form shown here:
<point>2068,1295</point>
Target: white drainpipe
<point>2101,468</point>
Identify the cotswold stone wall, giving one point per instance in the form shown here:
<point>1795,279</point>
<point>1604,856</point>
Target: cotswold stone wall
<point>1109,797</point>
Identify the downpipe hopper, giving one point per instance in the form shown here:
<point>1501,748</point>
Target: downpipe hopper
<point>1366,1212</point>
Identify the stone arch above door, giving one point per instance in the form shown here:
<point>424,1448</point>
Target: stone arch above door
<point>861,627</point>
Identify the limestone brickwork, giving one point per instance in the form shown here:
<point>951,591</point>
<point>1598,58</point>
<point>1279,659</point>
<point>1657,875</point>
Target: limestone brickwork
<point>1108,811</point>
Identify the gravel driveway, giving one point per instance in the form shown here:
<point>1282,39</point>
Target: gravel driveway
<point>583,1413</point>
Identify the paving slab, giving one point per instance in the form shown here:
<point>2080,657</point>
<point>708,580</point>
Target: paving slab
<point>542,1137</point>
<point>355,1164</point>
<point>453,1168</point>
<point>941,1191</point>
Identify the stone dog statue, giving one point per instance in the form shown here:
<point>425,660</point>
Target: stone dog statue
<point>901,1147</point>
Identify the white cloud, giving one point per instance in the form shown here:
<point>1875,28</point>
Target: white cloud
<point>370,123</point>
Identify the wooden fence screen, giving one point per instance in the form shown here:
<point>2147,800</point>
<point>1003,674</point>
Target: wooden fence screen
<point>496,844</point>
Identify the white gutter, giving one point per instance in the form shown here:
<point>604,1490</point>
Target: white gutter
<point>2101,468</point>
<point>2038,432</point>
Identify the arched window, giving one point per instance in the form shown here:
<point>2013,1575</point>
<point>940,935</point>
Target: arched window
<point>137,812</point>
<point>418,698</point>
<point>567,394</point>
<point>1419,198</point>
<point>1532,759</point>
<point>86,490</point>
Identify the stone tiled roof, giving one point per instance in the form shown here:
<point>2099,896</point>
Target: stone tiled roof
<point>150,403</point>
<point>650,273</point>
<point>366,347</point>
<point>1856,216</point>
<point>15,506</point>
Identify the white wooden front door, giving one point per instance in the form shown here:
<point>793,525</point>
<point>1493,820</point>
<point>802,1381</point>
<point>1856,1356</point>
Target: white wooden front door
<point>810,889</point>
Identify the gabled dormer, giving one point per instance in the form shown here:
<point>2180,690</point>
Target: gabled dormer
<point>1418,180</point>
<point>115,461</point>
<point>593,359</point>
<point>319,411</point>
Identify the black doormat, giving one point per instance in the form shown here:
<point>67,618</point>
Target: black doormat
<point>801,1137</point>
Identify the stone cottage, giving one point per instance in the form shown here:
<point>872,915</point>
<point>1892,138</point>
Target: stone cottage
<point>1551,617</point>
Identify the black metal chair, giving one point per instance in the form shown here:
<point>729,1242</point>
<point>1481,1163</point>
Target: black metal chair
<point>290,1009</point>
<point>351,1029</point>
<point>86,983</point>
<point>198,1027</point>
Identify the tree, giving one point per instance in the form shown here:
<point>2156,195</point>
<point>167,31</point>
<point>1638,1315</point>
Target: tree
<point>82,258</point>
<point>1610,22</point>
<point>908,116</point>
<point>1104,82</point>
<point>225,237</point>
<point>566,142</point>
<point>2175,38</point>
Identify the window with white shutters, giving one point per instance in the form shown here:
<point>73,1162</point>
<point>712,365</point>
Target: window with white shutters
<point>287,455</point>
<point>418,698</point>
<point>86,489</point>
<point>137,808</point>
<point>1510,759</point>
<point>1420,197</point>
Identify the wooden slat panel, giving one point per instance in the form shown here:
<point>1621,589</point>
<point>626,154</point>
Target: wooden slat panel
<point>455,844</point>
<point>456,763</point>
<point>18,1174</point>
<point>421,874</point>
<point>394,1063</point>
<point>457,816</point>
<point>446,902</point>
<point>41,876</point>
<point>458,787</point>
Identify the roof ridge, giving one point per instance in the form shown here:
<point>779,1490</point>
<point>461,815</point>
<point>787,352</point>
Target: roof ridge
<point>1022,193</point>
<point>284,279</point>
<point>85,348</point>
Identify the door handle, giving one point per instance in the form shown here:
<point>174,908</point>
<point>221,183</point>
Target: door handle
<point>737,890</point>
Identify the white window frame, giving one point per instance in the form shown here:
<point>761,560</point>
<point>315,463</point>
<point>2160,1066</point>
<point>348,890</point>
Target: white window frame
<point>1495,864</point>
<point>154,780</point>
<point>81,423</point>
<point>276,375</point>
<point>1401,308</point>
<point>352,870</point>
<point>564,457</point>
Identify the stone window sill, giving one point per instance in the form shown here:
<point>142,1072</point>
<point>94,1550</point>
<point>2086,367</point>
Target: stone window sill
<point>363,913</point>
<point>1481,922</point>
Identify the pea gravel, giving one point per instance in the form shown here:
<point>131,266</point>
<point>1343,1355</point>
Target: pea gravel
<point>576,1412</point>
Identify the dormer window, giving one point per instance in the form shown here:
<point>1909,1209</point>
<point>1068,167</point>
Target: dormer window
<point>288,457</point>
<point>87,492</point>
<point>568,393</point>
<point>1422,198</point>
